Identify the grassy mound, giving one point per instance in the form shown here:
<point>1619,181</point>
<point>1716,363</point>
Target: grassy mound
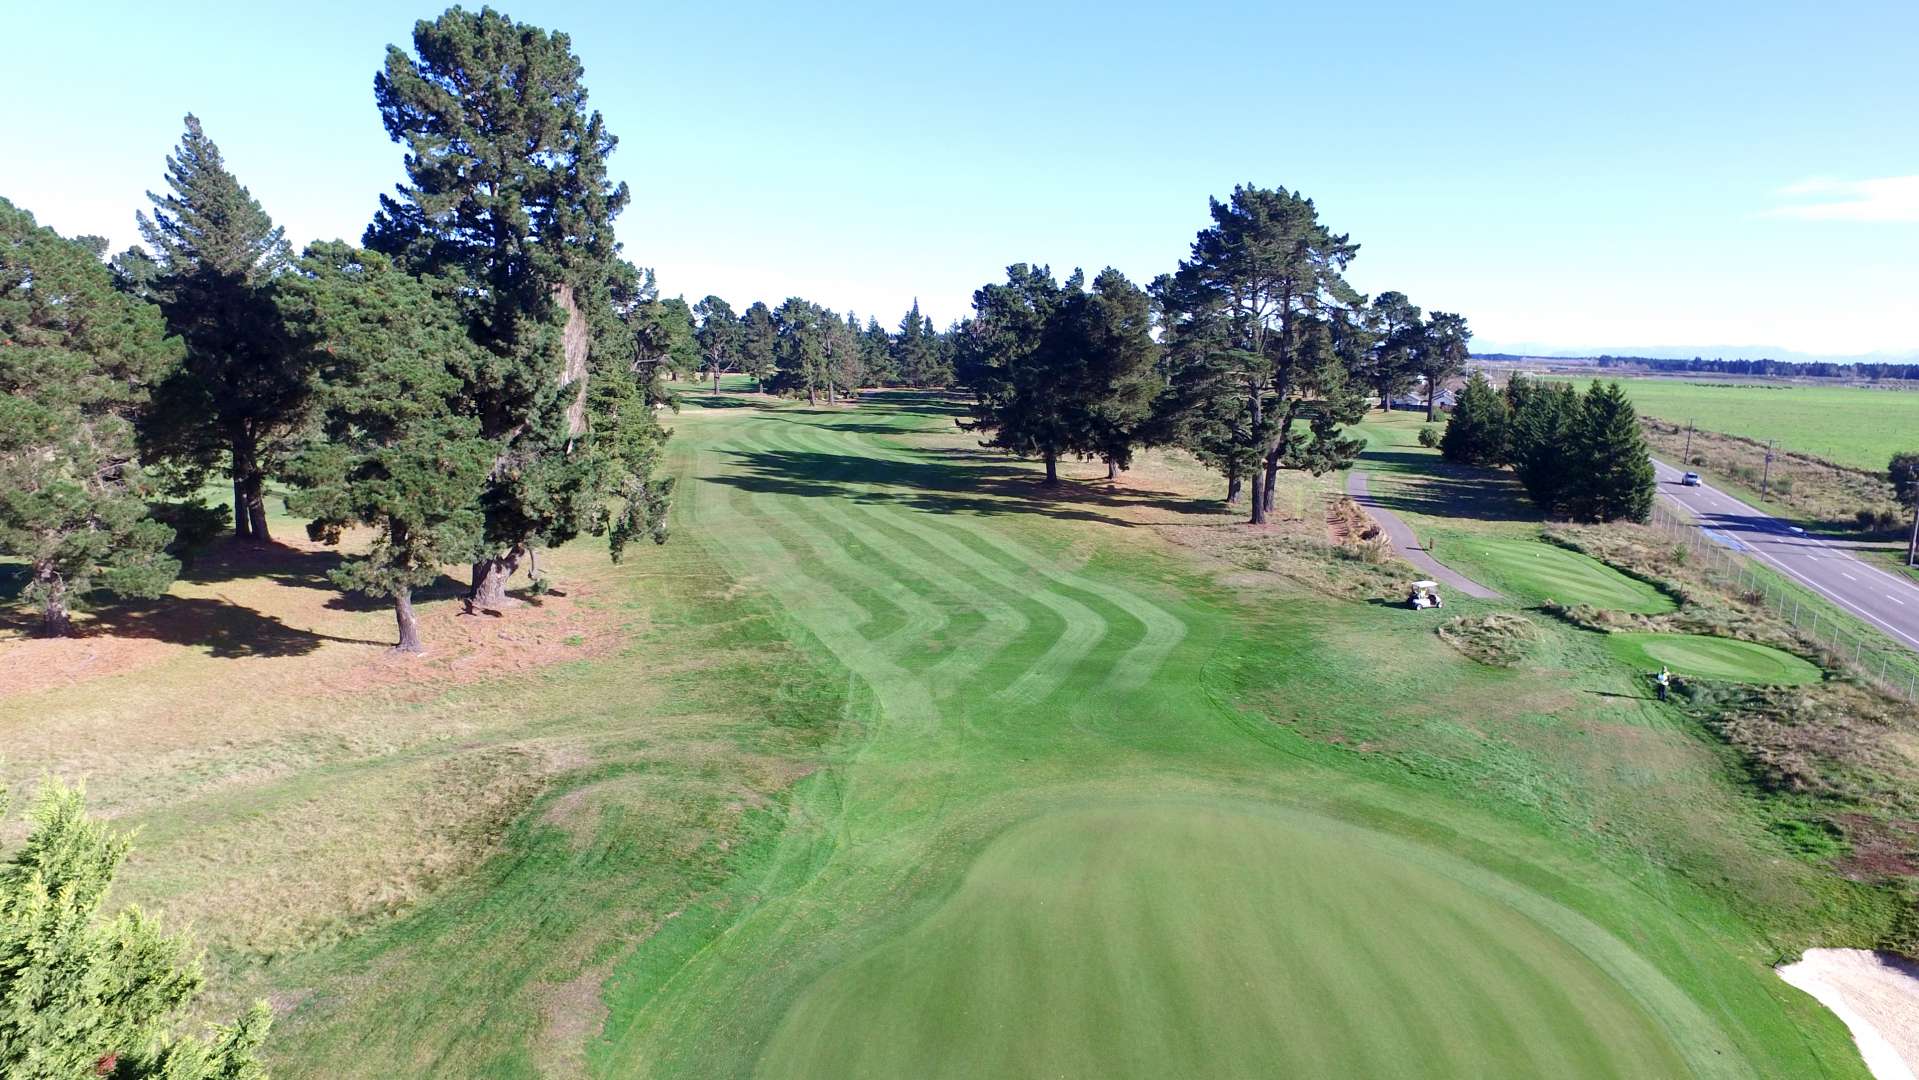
<point>1198,940</point>
<point>1499,638</point>
<point>1547,572</point>
<point>1724,659</point>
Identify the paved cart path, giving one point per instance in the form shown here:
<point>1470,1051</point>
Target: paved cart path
<point>1407,545</point>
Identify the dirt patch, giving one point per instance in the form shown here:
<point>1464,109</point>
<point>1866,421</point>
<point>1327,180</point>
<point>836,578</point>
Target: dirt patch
<point>1876,994</point>
<point>35,664</point>
<point>572,1013</point>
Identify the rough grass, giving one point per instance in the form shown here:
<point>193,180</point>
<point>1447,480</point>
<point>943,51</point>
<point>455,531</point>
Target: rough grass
<point>881,677</point>
<point>1499,638</point>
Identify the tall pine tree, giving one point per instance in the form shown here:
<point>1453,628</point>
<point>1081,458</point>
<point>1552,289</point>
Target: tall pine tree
<point>241,394</point>
<point>719,337</point>
<point>759,338</point>
<point>507,190</point>
<point>1263,288</point>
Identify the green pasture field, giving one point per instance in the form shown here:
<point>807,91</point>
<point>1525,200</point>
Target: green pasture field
<point>914,768</point>
<point>1702,657</point>
<point>1857,426</point>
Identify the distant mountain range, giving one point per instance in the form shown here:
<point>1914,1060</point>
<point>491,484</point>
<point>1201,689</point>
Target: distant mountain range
<point>1687,352</point>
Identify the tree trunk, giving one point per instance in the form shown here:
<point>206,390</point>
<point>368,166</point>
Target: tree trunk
<point>1272,479</point>
<point>1234,482</point>
<point>409,622</point>
<point>716,380</point>
<point>829,393</point>
<point>1112,471</point>
<point>249,486</point>
<point>1052,468</point>
<point>488,592</point>
<point>1258,499</point>
<point>55,620</point>
<point>1431,395</point>
<point>812,395</point>
<point>242,520</point>
<point>257,508</point>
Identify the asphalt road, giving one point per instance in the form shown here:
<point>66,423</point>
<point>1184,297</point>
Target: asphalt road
<point>1882,599</point>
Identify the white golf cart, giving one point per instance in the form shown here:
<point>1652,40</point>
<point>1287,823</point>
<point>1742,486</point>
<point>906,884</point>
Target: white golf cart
<point>1424,594</point>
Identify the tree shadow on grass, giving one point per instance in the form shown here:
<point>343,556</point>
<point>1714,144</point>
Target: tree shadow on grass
<point>218,625</point>
<point>722,401</point>
<point>1439,488</point>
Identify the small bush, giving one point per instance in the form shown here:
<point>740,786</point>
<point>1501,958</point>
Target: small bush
<point>1429,436</point>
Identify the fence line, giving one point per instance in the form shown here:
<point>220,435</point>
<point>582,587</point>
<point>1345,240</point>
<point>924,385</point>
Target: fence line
<point>1866,654</point>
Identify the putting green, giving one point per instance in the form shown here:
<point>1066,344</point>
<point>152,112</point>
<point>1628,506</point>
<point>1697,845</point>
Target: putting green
<point>1702,657</point>
<point>1550,572</point>
<point>1205,940</point>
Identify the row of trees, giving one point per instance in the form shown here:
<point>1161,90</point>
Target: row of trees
<point>1580,455</point>
<point>1255,354</point>
<point>801,347</point>
<point>476,381</point>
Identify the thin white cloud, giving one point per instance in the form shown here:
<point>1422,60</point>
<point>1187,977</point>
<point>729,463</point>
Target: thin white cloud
<point>1887,198</point>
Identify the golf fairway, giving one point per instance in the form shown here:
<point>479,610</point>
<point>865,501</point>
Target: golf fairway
<point>1548,572</point>
<point>1053,852</point>
<point>1195,940</point>
<point>1082,808</point>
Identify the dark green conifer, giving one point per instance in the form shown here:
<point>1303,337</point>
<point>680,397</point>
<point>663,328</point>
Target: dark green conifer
<point>240,395</point>
<point>76,358</point>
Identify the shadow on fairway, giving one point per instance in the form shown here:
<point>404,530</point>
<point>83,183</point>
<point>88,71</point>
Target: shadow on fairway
<point>969,486</point>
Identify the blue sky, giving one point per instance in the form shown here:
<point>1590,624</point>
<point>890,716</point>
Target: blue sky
<point>1568,176</point>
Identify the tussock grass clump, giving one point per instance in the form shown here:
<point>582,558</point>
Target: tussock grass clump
<point>1499,638</point>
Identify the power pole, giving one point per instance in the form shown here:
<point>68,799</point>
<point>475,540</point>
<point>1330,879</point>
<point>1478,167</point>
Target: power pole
<point>1688,461</point>
<point>1765,478</point>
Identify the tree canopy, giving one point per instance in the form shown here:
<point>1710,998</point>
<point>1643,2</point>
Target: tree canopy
<point>403,452</point>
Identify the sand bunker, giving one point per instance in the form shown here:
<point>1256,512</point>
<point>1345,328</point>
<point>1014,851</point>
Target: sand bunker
<point>1876,994</point>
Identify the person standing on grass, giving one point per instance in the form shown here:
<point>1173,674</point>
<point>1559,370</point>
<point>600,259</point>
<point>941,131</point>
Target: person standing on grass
<point>1662,681</point>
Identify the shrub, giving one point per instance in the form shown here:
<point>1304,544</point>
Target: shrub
<point>82,996</point>
<point>1429,436</point>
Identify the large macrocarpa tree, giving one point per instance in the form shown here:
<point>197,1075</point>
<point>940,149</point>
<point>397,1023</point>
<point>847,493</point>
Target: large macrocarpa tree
<point>83,996</point>
<point>76,358</point>
<point>241,393</point>
<point>402,451</point>
<point>1262,292</point>
<point>1061,369</point>
<point>508,193</point>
